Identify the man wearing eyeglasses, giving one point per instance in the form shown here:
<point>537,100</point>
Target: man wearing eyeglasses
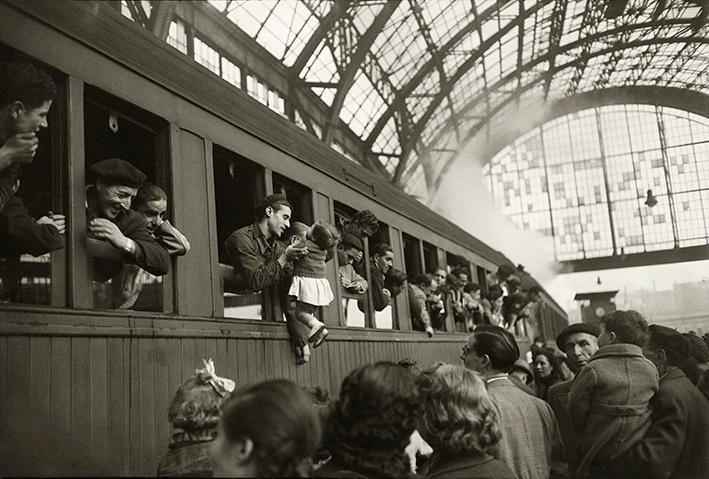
<point>527,422</point>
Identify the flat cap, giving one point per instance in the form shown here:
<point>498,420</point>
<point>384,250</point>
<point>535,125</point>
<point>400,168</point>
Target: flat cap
<point>523,365</point>
<point>272,200</point>
<point>573,329</point>
<point>348,239</point>
<point>118,171</point>
<point>668,339</point>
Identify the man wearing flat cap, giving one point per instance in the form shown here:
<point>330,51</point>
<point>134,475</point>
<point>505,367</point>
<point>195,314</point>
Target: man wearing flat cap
<point>579,342</point>
<point>110,218</point>
<point>676,446</point>
<point>262,263</point>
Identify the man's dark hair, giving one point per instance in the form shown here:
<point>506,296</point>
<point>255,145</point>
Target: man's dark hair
<point>21,81</point>
<point>471,288</point>
<point>630,327</point>
<point>534,290</point>
<point>148,192</point>
<point>505,270</point>
<point>494,292</point>
<point>381,249</point>
<point>499,345</point>
<point>671,341</point>
<point>422,279</point>
<point>461,270</point>
<point>394,277</point>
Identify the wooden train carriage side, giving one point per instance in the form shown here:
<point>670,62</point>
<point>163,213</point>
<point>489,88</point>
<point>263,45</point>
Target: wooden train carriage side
<point>100,381</point>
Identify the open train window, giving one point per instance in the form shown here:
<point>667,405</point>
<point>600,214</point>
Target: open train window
<point>482,279</point>
<point>40,189</point>
<point>299,196</point>
<point>430,257</point>
<point>354,304</point>
<point>114,128</point>
<point>385,318</point>
<point>412,255</point>
<point>239,188</point>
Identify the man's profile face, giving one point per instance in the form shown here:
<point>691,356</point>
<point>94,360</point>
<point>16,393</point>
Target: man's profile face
<point>30,120</point>
<point>154,212</point>
<point>114,199</point>
<point>471,359</point>
<point>385,262</point>
<point>278,219</point>
<point>579,347</point>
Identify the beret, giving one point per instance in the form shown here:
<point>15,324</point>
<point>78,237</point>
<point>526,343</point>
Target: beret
<point>271,200</point>
<point>118,171</point>
<point>573,329</point>
<point>668,339</point>
<point>348,239</point>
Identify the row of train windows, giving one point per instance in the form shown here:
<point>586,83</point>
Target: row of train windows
<point>114,128</point>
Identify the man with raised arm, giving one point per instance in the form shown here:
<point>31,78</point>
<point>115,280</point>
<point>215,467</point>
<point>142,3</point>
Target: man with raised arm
<point>26,95</point>
<point>261,262</point>
<point>109,218</point>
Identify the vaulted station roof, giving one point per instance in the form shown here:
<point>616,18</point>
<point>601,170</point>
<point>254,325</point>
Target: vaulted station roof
<point>415,79</point>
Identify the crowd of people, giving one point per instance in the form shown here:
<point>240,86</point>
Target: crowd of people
<point>628,410</point>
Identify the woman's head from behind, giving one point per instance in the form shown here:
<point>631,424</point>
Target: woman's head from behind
<point>373,419</point>
<point>458,416</point>
<point>268,429</point>
<point>196,405</point>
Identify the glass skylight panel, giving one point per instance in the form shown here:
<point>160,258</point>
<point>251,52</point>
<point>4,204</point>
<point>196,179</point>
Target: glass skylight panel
<point>321,66</point>
<point>362,106</point>
<point>387,141</point>
<point>365,15</point>
<point>326,94</point>
<point>452,16</point>
<point>682,169</point>
<point>177,36</point>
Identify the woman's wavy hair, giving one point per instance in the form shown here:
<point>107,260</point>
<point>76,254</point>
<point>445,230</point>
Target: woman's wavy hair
<point>458,416</point>
<point>373,419</point>
<point>281,421</point>
<point>196,405</point>
<point>554,360</point>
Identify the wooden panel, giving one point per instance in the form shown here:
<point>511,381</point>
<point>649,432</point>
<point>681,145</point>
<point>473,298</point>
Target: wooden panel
<point>146,406</point>
<point>194,273</point>
<point>4,365</point>
<point>323,210</point>
<point>162,395</point>
<point>403,316</point>
<point>80,391</point>
<point>98,400</point>
<point>117,460</point>
<point>39,378</point>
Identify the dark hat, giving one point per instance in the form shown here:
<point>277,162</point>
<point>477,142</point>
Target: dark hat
<point>348,239</point>
<point>668,339</point>
<point>119,172</point>
<point>576,328</point>
<point>275,199</point>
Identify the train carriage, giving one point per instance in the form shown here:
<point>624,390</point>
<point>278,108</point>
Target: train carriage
<point>102,377</point>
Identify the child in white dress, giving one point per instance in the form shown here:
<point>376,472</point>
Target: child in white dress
<point>310,286</point>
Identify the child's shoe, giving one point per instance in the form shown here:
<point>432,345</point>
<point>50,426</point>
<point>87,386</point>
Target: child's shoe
<point>302,355</point>
<point>318,333</point>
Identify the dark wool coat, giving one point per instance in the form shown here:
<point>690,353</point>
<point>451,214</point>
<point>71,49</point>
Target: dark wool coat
<point>470,466</point>
<point>609,403</point>
<point>677,444</point>
<point>20,233</point>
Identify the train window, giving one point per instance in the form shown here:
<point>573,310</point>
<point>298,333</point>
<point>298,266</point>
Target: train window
<point>354,304</point>
<point>299,196</point>
<point>482,279</point>
<point>115,129</point>
<point>412,255</point>
<point>430,257</point>
<point>386,318</point>
<point>39,187</point>
<point>238,188</point>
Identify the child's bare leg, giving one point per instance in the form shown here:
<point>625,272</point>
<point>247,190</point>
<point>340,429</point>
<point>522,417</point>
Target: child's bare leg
<point>306,314</point>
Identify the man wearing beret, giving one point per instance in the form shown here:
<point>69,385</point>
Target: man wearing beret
<point>579,342</point>
<point>676,446</point>
<point>261,262</point>
<point>110,218</point>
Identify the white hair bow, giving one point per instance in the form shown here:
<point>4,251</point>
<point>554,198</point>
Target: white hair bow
<point>221,385</point>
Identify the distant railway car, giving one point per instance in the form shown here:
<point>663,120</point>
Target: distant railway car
<point>101,378</point>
